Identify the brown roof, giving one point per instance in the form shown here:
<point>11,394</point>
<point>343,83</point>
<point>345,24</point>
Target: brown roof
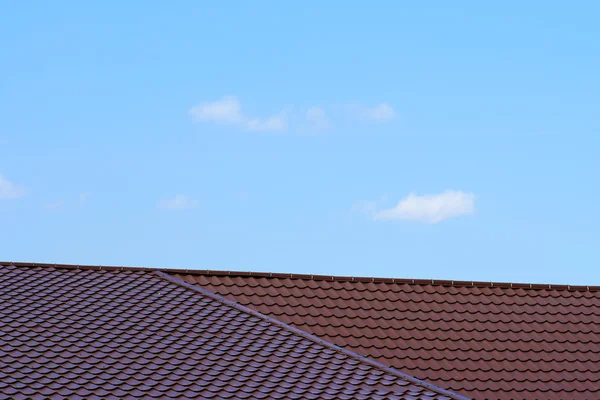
<point>482,340</point>
<point>113,333</point>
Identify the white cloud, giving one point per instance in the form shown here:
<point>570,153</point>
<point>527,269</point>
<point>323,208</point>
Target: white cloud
<point>225,110</point>
<point>275,123</point>
<point>431,208</point>
<point>228,110</point>
<point>316,120</point>
<point>9,190</point>
<point>380,112</point>
<point>178,202</point>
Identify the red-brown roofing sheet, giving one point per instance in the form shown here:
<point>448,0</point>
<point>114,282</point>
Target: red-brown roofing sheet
<point>110,334</point>
<point>478,340</point>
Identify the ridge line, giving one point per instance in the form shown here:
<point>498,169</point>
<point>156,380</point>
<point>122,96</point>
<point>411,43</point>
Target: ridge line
<point>329,278</point>
<point>308,336</point>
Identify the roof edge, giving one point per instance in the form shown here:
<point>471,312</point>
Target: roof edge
<point>373,363</point>
<point>331,278</point>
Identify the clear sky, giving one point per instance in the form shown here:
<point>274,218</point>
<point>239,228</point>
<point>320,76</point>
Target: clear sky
<point>447,140</point>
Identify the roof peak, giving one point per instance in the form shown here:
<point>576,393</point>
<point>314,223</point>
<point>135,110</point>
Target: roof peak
<point>330,278</point>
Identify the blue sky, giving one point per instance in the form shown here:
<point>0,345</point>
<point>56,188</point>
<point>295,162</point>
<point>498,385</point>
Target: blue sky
<point>426,140</point>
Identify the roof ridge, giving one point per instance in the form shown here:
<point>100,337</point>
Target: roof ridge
<point>308,336</point>
<point>331,278</point>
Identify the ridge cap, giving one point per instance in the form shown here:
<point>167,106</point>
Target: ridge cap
<point>330,278</point>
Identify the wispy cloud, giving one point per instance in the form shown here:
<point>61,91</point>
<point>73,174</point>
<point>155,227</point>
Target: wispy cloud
<point>228,110</point>
<point>430,208</point>
<point>380,112</point>
<point>9,190</point>
<point>178,202</point>
<point>315,121</point>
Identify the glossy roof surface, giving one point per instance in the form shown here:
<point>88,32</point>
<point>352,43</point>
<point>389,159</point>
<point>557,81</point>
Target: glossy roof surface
<point>102,333</point>
<point>482,340</point>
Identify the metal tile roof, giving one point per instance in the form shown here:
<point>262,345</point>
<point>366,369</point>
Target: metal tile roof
<point>113,333</point>
<point>480,339</point>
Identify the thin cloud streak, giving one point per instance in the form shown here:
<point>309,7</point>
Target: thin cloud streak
<point>228,111</point>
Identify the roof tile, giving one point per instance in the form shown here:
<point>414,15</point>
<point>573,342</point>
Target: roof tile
<point>112,333</point>
<point>481,339</point>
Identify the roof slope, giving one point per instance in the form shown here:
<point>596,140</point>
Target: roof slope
<point>482,340</point>
<point>133,334</point>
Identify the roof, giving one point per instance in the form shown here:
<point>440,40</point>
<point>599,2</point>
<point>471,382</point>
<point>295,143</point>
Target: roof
<point>117,333</point>
<point>480,339</point>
